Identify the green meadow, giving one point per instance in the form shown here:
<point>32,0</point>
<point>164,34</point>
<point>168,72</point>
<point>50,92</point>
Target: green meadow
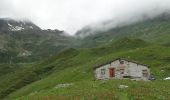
<point>39,81</point>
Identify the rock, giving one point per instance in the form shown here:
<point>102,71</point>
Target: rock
<point>168,78</point>
<point>24,53</point>
<point>63,85</point>
<point>33,93</point>
<point>123,86</point>
<point>162,70</point>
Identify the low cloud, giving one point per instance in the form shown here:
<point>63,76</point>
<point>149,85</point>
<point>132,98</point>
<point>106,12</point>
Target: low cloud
<point>72,15</point>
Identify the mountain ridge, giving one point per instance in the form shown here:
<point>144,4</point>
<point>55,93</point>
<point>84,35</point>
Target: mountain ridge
<point>57,60</point>
<point>7,24</point>
<point>25,42</point>
<point>151,30</point>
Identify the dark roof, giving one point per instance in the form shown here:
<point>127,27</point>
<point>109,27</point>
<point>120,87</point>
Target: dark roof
<point>109,62</point>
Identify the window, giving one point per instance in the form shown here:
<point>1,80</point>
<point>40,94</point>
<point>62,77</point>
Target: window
<point>121,62</point>
<point>121,71</point>
<point>103,71</point>
<point>145,73</point>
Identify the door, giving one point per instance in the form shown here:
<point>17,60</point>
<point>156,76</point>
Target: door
<point>112,72</point>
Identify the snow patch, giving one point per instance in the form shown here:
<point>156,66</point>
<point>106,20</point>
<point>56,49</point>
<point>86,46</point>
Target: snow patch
<point>24,53</point>
<point>31,27</point>
<point>15,28</point>
<point>9,25</point>
<point>19,27</point>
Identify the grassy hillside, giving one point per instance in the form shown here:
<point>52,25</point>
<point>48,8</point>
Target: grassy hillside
<point>30,73</point>
<point>31,45</point>
<point>62,68</point>
<point>155,30</point>
<point>75,67</point>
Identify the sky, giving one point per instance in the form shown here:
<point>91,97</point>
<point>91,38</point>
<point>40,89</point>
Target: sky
<point>72,15</point>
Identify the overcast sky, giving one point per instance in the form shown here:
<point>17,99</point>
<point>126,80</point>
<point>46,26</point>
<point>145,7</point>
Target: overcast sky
<point>72,15</point>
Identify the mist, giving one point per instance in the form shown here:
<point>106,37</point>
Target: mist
<point>72,15</point>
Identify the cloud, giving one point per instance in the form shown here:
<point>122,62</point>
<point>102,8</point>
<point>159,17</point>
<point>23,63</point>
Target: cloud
<point>72,15</point>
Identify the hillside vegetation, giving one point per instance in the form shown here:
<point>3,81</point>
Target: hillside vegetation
<point>62,67</point>
<point>76,67</point>
<point>152,30</point>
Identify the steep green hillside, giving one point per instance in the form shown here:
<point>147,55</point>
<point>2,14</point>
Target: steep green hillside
<point>155,30</point>
<point>33,44</point>
<point>16,79</point>
<point>40,64</point>
<point>75,67</point>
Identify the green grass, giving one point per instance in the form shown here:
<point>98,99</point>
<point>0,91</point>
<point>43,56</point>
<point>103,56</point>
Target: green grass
<point>76,66</point>
<point>35,77</point>
<point>152,30</point>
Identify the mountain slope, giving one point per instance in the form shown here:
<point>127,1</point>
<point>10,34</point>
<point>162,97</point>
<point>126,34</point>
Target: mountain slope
<point>78,70</point>
<point>29,43</point>
<point>152,30</point>
<point>57,60</point>
<point>7,25</point>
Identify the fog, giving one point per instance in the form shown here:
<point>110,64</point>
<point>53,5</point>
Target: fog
<point>72,15</point>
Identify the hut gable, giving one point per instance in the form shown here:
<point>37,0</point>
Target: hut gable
<point>122,69</point>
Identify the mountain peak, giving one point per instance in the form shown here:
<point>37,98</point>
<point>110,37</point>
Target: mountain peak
<point>7,24</point>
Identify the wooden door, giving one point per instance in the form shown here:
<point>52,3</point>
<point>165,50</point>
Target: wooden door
<point>112,72</point>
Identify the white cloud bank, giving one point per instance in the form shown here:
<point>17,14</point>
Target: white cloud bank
<point>72,15</point>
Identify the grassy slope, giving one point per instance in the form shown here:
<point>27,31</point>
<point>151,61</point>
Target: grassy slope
<point>37,81</point>
<point>78,69</point>
<point>152,30</point>
<point>12,81</point>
